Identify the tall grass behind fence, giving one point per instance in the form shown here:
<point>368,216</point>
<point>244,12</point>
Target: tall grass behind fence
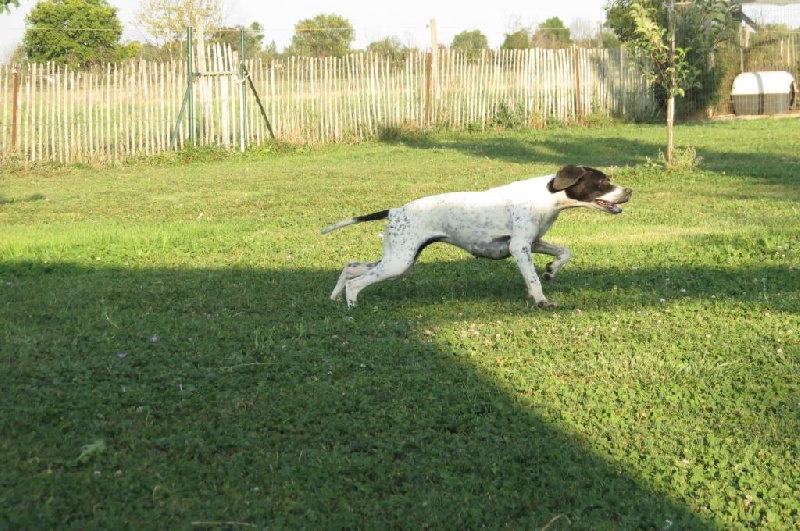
<point>131,109</point>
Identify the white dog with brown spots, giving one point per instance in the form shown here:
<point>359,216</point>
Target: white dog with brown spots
<point>505,221</point>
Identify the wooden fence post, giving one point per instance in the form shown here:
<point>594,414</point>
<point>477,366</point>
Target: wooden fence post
<point>578,98</point>
<point>242,96</point>
<point>190,86</point>
<point>15,110</point>
<point>428,88</point>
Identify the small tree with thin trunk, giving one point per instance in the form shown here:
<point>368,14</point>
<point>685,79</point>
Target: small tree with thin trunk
<point>651,28</point>
<point>664,64</point>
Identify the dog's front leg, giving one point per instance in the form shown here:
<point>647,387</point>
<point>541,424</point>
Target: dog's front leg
<point>520,248</point>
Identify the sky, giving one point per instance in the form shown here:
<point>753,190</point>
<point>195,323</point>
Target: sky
<point>406,19</point>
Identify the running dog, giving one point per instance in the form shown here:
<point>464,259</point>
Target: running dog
<point>508,220</point>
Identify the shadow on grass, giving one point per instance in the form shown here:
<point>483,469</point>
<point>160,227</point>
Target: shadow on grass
<point>34,197</point>
<point>575,147</point>
<point>246,396</point>
<point>549,149</point>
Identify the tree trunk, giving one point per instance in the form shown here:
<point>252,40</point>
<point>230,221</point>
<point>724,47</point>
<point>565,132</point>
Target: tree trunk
<point>672,82</point>
<point>670,126</point>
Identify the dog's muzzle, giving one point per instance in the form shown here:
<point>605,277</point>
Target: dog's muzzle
<point>613,206</point>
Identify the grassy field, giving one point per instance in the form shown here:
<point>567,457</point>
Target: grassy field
<point>170,357</point>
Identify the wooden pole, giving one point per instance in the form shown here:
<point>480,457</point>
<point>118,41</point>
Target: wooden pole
<point>190,89</point>
<point>430,71</point>
<point>242,97</point>
<point>434,42</point>
<point>15,110</point>
<point>578,99</point>
<point>203,85</point>
<point>428,88</point>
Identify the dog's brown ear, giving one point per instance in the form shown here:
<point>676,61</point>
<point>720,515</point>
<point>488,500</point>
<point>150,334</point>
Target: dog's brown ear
<point>567,176</point>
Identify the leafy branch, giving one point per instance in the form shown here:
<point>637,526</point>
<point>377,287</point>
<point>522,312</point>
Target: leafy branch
<point>671,71</point>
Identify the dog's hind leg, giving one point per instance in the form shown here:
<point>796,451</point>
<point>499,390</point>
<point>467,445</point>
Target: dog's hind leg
<point>561,254</point>
<point>351,270</point>
<point>402,244</point>
<point>388,268</point>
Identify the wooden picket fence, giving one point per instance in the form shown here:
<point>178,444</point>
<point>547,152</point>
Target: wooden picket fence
<point>51,113</point>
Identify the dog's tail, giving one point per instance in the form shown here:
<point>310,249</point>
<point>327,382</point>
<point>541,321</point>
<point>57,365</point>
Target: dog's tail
<point>383,214</point>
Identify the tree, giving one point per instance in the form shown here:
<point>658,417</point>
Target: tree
<point>701,28</point>
<point>5,5</point>
<point>169,51</point>
<point>519,40</point>
<point>391,47</point>
<point>470,43</point>
<point>673,46</point>
<point>253,38</point>
<point>323,36</point>
<point>77,33</point>
<point>610,40</point>
<point>167,20</point>
<point>667,64</point>
<point>270,52</point>
<point>552,33</point>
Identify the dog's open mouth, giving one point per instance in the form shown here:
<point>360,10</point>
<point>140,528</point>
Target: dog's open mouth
<point>608,206</point>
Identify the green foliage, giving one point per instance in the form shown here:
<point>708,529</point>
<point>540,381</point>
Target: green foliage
<point>552,33</point>
<point>651,44</point>
<point>77,33</point>
<point>619,17</point>
<point>702,30</point>
<point>5,5</point>
<point>171,360</point>
<point>253,38</point>
<point>610,40</point>
<point>169,51</point>
<point>391,47</point>
<point>167,20</point>
<point>270,52</point>
<point>322,36</point>
<point>518,40</point>
<point>470,43</point>
<point>508,117</point>
<point>683,160</point>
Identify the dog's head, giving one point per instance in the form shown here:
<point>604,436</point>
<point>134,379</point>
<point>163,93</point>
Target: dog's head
<point>590,188</point>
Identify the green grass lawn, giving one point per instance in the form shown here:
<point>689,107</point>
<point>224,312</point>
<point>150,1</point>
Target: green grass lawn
<point>170,357</point>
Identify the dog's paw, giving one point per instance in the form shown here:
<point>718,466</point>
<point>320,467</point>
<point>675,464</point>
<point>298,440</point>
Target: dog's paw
<point>549,274</point>
<point>547,305</point>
